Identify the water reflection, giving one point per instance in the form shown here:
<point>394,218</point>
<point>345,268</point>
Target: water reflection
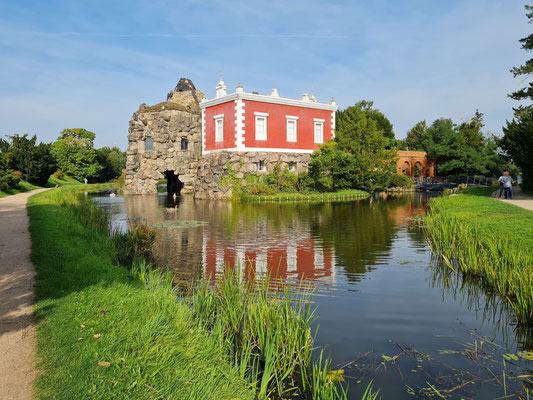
<point>376,289</point>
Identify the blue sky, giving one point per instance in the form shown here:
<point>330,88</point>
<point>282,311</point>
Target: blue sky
<point>89,64</point>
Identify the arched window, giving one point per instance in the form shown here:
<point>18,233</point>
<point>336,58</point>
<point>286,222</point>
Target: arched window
<point>148,144</point>
<point>185,144</point>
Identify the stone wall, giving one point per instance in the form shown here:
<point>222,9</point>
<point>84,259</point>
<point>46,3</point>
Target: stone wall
<point>166,124</point>
<point>213,167</point>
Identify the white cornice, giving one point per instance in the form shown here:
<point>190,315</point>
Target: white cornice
<point>267,99</point>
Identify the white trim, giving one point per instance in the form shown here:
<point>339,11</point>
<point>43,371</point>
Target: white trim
<point>203,130</point>
<point>267,99</point>
<point>261,114</point>
<point>271,150</point>
<point>218,116</point>
<point>319,120</point>
<point>291,117</point>
<point>333,125</point>
<point>263,117</point>
<point>295,122</point>
<point>239,124</point>
<point>260,149</point>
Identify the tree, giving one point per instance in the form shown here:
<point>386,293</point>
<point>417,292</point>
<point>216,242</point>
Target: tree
<point>113,162</point>
<point>359,156</point>
<point>458,149</point>
<point>517,140</point>
<point>21,153</point>
<point>75,155</point>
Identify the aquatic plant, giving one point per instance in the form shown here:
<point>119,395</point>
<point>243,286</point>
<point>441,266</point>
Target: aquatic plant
<point>482,237</point>
<point>265,328</point>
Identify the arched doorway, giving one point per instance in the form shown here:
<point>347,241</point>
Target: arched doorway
<point>406,169</point>
<point>174,185</point>
<point>418,169</point>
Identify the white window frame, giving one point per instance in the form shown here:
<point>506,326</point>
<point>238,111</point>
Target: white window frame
<point>261,116</point>
<point>219,130</point>
<point>291,166</point>
<point>319,123</point>
<point>292,120</point>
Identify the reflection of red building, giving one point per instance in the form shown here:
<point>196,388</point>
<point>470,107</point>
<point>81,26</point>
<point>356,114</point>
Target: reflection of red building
<point>300,259</point>
<point>415,164</point>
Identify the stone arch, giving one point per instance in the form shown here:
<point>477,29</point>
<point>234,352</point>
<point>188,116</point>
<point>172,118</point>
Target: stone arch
<point>174,185</point>
<point>420,169</point>
<point>406,168</point>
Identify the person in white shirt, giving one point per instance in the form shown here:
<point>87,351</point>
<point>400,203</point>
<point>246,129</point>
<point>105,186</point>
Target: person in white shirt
<point>507,183</point>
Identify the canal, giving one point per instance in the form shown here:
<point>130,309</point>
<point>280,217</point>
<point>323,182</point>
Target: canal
<point>388,313</point>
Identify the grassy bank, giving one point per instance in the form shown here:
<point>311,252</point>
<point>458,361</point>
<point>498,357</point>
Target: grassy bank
<point>478,235</point>
<point>101,334</point>
<point>24,186</point>
<point>316,196</point>
<point>108,332</point>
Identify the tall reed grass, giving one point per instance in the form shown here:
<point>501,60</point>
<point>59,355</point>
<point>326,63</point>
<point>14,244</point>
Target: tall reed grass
<point>266,330</point>
<point>502,259</point>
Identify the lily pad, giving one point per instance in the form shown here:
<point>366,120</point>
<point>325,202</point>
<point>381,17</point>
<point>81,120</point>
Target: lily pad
<point>178,224</point>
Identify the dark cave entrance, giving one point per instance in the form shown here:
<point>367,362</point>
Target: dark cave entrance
<point>174,185</point>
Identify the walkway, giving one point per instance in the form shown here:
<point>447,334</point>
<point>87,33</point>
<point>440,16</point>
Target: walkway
<point>17,279</point>
<point>520,199</point>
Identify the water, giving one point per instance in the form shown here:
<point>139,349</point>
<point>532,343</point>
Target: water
<point>378,293</point>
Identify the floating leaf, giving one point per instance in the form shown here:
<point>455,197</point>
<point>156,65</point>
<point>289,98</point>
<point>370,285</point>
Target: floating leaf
<point>526,354</point>
<point>178,224</point>
<point>104,364</point>
<point>336,375</point>
<point>510,356</point>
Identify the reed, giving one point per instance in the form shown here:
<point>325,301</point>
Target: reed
<point>482,237</point>
<point>266,330</point>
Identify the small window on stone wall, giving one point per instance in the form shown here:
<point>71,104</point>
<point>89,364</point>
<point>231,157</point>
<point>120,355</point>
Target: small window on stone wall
<point>291,166</point>
<point>148,144</point>
<point>261,166</point>
<point>185,144</point>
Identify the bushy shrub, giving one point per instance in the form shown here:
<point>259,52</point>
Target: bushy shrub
<point>304,182</point>
<point>281,179</point>
<point>18,174</point>
<point>59,174</point>
<point>8,181</point>
<point>398,180</point>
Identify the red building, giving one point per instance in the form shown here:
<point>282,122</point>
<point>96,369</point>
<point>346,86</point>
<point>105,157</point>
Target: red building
<point>243,121</point>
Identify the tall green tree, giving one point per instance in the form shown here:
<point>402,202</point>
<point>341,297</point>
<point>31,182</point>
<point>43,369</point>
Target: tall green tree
<point>458,149</point>
<point>21,153</point>
<point>517,140</point>
<point>359,156</point>
<point>75,155</point>
<point>113,162</point>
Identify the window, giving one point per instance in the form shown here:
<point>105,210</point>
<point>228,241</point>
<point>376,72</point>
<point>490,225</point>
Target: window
<point>319,131</point>
<point>261,166</point>
<point>185,144</point>
<point>148,144</point>
<point>261,126</point>
<point>291,129</point>
<point>219,128</point>
<point>291,166</point>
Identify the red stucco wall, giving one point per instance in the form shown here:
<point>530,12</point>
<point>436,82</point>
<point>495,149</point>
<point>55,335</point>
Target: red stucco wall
<point>228,109</point>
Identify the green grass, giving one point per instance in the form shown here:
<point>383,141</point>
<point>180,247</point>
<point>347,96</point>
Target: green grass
<point>480,236</point>
<point>67,181</point>
<point>24,186</point>
<point>154,348</point>
<point>20,187</point>
<point>317,196</point>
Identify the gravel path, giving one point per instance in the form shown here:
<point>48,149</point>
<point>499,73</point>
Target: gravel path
<point>17,279</point>
<point>520,199</point>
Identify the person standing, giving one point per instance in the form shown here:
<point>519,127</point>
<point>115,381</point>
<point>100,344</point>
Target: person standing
<point>507,183</point>
<point>85,180</point>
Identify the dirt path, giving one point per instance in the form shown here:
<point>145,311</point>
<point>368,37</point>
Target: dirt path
<point>520,199</point>
<point>17,279</point>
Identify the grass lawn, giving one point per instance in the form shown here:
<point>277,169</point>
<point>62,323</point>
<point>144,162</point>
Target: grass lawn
<point>24,186</point>
<point>102,335</point>
<point>319,196</point>
<point>478,235</point>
